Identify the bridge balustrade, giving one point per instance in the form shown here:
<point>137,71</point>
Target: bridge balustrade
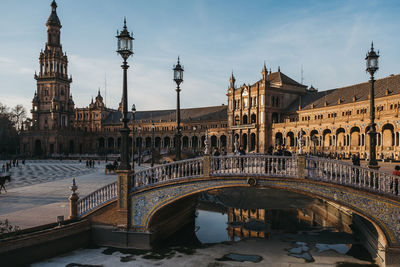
<point>190,168</point>
<point>253,165</point>
<point>344,173</point>
<point>97,198</point>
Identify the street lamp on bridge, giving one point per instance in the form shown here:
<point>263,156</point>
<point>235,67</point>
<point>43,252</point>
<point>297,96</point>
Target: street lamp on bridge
<point>371,67</point>
<point>125,49</point>
<point>152,144</point>
<point>178,78</point>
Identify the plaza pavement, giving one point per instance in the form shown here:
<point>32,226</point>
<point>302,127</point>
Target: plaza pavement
<point>39,191</point>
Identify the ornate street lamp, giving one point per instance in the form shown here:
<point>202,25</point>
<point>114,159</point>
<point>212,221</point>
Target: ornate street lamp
<point>152,144</point>
<point>178,78</point>
<point>371,67</point>
<point>125,49</point>
<point>133,136</point>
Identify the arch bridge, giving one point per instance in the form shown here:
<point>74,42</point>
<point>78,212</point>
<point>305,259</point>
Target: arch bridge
<point>134,199</point>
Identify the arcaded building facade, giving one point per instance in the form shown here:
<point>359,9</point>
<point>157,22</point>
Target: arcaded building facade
<point>268,113</point>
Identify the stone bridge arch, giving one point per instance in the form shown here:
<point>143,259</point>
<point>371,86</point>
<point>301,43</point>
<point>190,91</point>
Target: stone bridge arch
<point>383,214</point>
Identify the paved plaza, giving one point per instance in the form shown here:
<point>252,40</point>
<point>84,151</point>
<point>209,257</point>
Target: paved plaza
<point>39,191</point>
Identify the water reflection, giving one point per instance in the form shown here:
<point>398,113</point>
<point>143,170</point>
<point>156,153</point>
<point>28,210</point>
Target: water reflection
<point>235,214</point>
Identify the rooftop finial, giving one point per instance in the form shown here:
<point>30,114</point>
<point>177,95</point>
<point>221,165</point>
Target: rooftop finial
<point>53,5</point>
<point>279,68</point>
<point>125,23</point>
<point>178,60</point>
<point>372,45</point>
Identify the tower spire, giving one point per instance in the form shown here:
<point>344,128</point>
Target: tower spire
<point>264,72</point>
<point>232,81</point>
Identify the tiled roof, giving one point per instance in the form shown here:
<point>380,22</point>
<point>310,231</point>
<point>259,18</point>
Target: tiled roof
<point>345,94</point>
<point>279,77</point>
<point>187,115</point>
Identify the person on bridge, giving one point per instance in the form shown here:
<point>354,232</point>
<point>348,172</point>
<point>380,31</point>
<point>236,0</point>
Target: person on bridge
<point>242,153</point>
<point>216,154</point>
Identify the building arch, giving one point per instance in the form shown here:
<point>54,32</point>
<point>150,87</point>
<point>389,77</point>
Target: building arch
<point>157,142</point>
<point>355,139</point>
<point>245,120</point>
<point>167,142</point>
<point>244,141</point>
<point>275,117</point>
<point>222,140</point>
<point>195,141</point>
<point>71,146</point>
<point>327,138</point>
<point>38,147</point>
<point>253,118</point>
<point>278,139</point>
<point>237,120</point>
<point>214,142</point>
<point>252,141</point>
<point>387,135</point>
<point>290,138</point>
<point>314,135</point>
<point>147,142</point>
<point>110,142</point>
<point>101,142</point>
<point>340,137</point>
<point>185,142</point>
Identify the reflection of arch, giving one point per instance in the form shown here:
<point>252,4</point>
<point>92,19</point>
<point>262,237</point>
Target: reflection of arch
<point>253,118</point>
<point>101,142</point>
<point>167,142</point>
<point>139,142</point>
<point>147,141</point>
<point>157,142</point>
<point>110,142</point>
<point>203,138</point>
<point>185,141</point>
<point>245,121</point>
<point>290,136</point>
<point>213,141</point>
<point>252,141</point>
<point>222,140</point>
<point>278,139</point>
<point>38,148</point>
<point>244,141</point>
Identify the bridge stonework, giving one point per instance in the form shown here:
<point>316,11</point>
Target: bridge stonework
<point>369,193</point>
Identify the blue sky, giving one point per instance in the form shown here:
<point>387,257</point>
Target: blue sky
<point>328,38</point>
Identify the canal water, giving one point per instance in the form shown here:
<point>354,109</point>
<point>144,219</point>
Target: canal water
<point>246,227</point>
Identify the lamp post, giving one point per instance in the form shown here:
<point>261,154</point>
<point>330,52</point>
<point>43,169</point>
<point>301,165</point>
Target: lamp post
<point>152,144</point>
<point>125,49</point>
<point>178,78</point>
<point>372,67</point>
<point>139,144</point>
<point>133,136</point>
<point>194,139</point>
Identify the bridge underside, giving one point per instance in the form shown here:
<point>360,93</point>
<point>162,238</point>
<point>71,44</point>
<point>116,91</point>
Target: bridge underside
<point>382,212</point>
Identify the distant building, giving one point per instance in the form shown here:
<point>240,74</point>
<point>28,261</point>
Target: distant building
<point>268,113</point>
